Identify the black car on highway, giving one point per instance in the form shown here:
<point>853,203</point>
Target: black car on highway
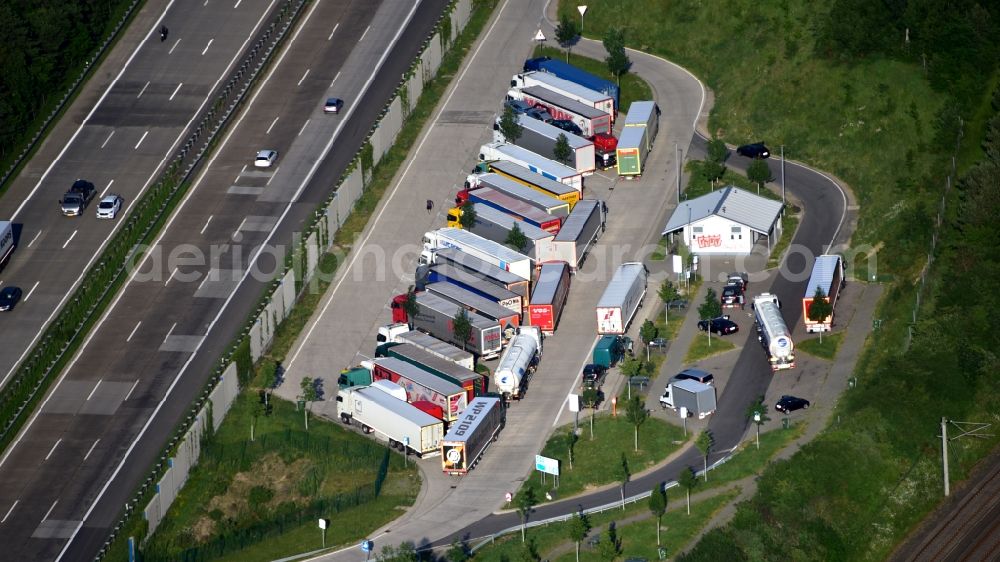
<point>721,325</point>
<point>8,298</point>
<point>757,151</point>
<point>787,404</point>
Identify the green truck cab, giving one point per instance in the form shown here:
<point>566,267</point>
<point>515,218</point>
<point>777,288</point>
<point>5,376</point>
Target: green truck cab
<point>358,376</point>
<point>610,349</point>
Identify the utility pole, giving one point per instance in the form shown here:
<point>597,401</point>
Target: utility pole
<point>782,175</point>
<point>677,151</point>
<point>944,454</point>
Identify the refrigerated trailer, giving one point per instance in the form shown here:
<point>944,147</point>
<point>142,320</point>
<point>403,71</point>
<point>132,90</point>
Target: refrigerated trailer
<point>828,275</point>
<point>527,178</point>
<point>486,270</point>
<point>569,72</point>
<point>549,296</point>
<point>428,343</point>
<point>420,384</point>
<point>537,163</point>
<point>598,100</point>
<point>509,320</point>
<point>579,232</point>
<point>621,299</point>
<point>472,382</point>
<point>644,114</point>
<point>471,282</point>
<point>590,120</point>
<point>436,316</point>
<point>497,226</point>
<point>511,206</point>
<point>486,250</point>
<point>542,200</point>
<point>471,435</point>
<point>392,419</point>
<point>542,138</point>
<point>631,152</point>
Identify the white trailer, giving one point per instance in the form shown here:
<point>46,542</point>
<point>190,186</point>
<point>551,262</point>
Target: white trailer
<point>496,225</point>
<point>541,138</point>
<point>534,162</point>
<point>772,332</point>
<point>6,241</point>
<point>486,250</point>
<point>579,232</point>
<point>828,275</point>
<point>644,114</point>
<point>403,425</point>
<point>590,120</point>
<point>631,152</point>
<point>436,347</point>
<point>516,365</point>
<point>621,299</point>
<point>572,90</point>
<point>470,436</point>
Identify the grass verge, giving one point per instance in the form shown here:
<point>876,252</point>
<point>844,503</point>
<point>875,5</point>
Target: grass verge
<point>824,347</point>
<point>702,347</point>
<point>789,223</point>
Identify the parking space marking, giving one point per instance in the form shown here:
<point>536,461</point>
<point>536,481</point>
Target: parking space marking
<point>140,93</point>
<point>129,338</point>
<point>35,238</point>
<point>332,32</point>
<point>92,447</point>
<point>205,50</point>
<point>33,287</point>
<point>9,511</point>
<point>140,140</point>
<point>268,131</point>
<point>303,77</point>
<point>66,243</point>
<point>111,134</point>
<point>52,450</point>
<point>177,89</point>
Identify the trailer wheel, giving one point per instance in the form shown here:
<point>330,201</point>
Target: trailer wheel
<point>346,419</point>
<point>365,429</point>
<point>393,444</point>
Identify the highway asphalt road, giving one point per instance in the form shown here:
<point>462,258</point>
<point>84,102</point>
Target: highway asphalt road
<point>463,508</point>
<point>64,482</point>
<point>117,137</point>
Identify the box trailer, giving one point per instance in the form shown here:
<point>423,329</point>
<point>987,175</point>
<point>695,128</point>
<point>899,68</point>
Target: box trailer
<point>827,275</point>
<point>516,366</point>
<point>569,72</point>
<point>486,250</point>
<point>421,385</point>
<point>591,121</point>
<point>772,332</point>
<point>431,345</point>
<point>598,100</point>
<point>621,299</point>
<point>644,114</point>
<point>486,270</point>
<point>497,226</point>
<point>403,425</point>
<point>698,399</point>
<point>631,152</point>
<point>511,206</point>
<point>579,232</point>
<point>541,200</point>
<point>549,296</point>
<point>471,282</point>
<point>509,320</point>
<point>6,241</point>
<point>526,177</point>
<point>535,162</point>
<point>436,316</point>
<point>473,383</point>
<point>470,436</point>
<point>542,138</point>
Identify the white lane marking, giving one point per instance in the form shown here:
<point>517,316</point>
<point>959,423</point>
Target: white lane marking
<point>107,188</point>
<point>305,181</point>
<point>172,273</point>
<point>105,143</point>
<point>177,89</point>
<point>171,51</point>
<point>92,447</point>
<point>33,287</point>
<point>205,50</point>
<point>268,182</point>
<point>206,224</point>
<point>137,324</point>
<point>240,227</point>
<point>35,238</point>
<point>174,325</point>
<point>303,77</point>
<point>91,395</point>
<point>140,93</point>
<point>303,127</point>
<point>52,450</point>
<point>9,511</point>
<point>332,32</point>
<point>50,510</point>
<point>68,240</point>
<point>271,126</point>
<point>365,33</point>
<point>236,5</point>
<point>135,384</point>
<point>140,140</point>
<point>334,79</point>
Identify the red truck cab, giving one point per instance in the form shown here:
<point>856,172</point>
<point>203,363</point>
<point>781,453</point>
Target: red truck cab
<point>398,307</point>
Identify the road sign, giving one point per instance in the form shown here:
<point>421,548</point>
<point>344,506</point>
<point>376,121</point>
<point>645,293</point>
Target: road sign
<point>539,36</point>
<point>322,523</point>
<point>582,10</point>
<point>574,402</point>
<point>547,465</point>
<point>366,546</point>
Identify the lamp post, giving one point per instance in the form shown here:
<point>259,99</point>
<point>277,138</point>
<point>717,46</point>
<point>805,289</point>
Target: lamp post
<point>677,151</point>
<point>756,421</point>
<point>582,10</point>
<point>782,175</point>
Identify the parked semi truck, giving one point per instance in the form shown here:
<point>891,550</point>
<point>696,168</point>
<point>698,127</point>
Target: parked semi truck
<point>644,114</point>
<point>509,320</point>
<point>535,162</point>
<point>6,241</point>
<point>598,100</point>
<point>513,207</point>
<point>447,273</point>
<point>473,383</point>
<point>621,299</point>
<point>436,316</point>
<point>497,226</point>
<point>631,152</point>
<point>772,332</point>
<point>590,120</point>
<point>483,269</point>
<point>542,138</point>
<point>527,178</point>
<point>580,231</point>
<point>401,333</point>
<point>698,399</point>
<point>549,296</point>
<point>355,376</point>
<point>558,205</point>
<point>421,385</point>
<point>470,436</point>
<point>516,366</point>
<point>569,72</point>
<point>403,425</point>
<point>486,250</point>
<point>828,275</point>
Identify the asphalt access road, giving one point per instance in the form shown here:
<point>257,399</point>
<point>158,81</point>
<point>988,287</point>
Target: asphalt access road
<point>63,484</point>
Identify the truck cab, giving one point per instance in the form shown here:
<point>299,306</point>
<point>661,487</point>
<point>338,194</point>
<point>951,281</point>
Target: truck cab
<point>390,332</point>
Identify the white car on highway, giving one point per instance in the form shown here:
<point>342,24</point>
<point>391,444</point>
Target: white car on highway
<point>109,206</point>
<point>265,158</point>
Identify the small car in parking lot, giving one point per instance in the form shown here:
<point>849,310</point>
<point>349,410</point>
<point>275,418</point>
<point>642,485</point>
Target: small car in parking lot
<point>787,404</point>
<point>757,151</point>
<point>593,375</point>
<point>658,343</point>
<point>721,325</point>
<point>333,105</point>
<point>518,106</point>
<point>109,206</point>
<point>703,377</point>
<point>265,158</point>
<point>9,296</point>
<point>732,296</point>
<point>567,125</point>
<point>539,113</point>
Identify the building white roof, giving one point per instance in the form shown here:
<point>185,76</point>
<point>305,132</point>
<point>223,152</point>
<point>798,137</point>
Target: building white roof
<point>731,203</point>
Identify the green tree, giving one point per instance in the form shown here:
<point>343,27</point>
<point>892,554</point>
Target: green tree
<point>405,552</point>
<point>562,151</point>
<point>591,397</point>
<point>510,128</point>
<point>704,443</point>
<point>461,327</point>
<point>468,217</point>
<point>647,333</point>
<point>611,547</point>
<point>516,238</point>
<point>717,151</point>
<point>636,414</point>
<point>759,173</point>
<point>709,309</point>
<point>633,367</point>
<point>668,293</point>
<point>687,480</point>
<point>622,476</point>
<point>410,306</point>
<point>458,552</point>
<point>820,309</point>
<point>571,439</point>
<point>578,528</point>
<point>566,32</point>
<point>712,171</point>
<point>617,60</point>
<point>757,414</point>
<point>658,506</point>
<point>526,502</point>
<point>309,395</point>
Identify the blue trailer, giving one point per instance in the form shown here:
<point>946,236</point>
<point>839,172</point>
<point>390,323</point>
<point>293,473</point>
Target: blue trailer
<point>569,72</point>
